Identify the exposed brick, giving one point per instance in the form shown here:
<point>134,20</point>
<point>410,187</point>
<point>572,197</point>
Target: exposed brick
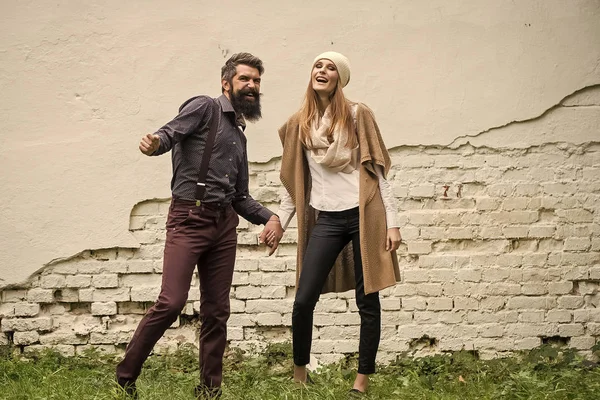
<point>577,244</point>
<point>534,288</point>
<point>331,305</point>
<point>451,218</point>
<point>560,287</point>
<point>144,293</point>
<point>532,316</point>
<point>26,309</point>
<point>456,289</point>
<point>559,316</point>
<point>105,295</point>
<point>514,217</point>
<point>440,303</point>
<point>415,275</point>
<point>541,231</point>
<point>527,302</point>
<point>141,280</point>
<point>257,306</point>
<point>390,304</point>
<point>466,303</point>
<point>108,308</point>
<point>52,281</point>
<point>570,330</point>
<point>570,302</point>
<point>140,266</point>
<point>490,232</point>
<point>429,289</point>
<point>515,231</point>
<point>516,258</point>
<point>63,337</point>
<point>7,310</point>
<point>273,292</point>
<point>422,218</point>
<point>26,324</point>
<point>582,342</point>
<point>268,319</point>
<point>593,329</point>
<point>422,191</point>
<point>247,292</point>
<point>26,338</point>
<point>272,264</point>
<point>40,295</point>
<point>576,216</point>
<point>413,233</point>
<point>419,247</point>
<point>414,303</point>
<point>459,233</point>
<point>105,281</point>
<point>78,281</point>
<point>396,318</point>
<point>527,343</point>
<point>487,204</point>
<point>515,203</point>
<point>530,329</point>
<point>491,330</point>
<point>469,275</point>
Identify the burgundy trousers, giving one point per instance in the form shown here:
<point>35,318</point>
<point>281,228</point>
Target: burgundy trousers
<point>203,236</point>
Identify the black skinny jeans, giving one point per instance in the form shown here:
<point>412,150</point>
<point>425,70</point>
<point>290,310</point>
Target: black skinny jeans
<point>331,233</point>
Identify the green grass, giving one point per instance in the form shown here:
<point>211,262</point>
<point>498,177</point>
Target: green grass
<point>544,373</point>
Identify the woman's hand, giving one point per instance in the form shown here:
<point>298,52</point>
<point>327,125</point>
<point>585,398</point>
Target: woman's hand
<point>272,234</point>
<point>393,239</point>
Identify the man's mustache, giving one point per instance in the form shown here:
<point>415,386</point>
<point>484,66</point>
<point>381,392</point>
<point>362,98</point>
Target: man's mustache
<point>250,91</point>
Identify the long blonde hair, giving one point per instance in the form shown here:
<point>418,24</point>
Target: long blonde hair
<point>340,112</point>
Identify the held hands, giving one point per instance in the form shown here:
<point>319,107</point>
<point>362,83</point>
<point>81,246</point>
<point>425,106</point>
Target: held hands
<point>272,234</point>
<point>392,241</point>
<point>149,144</point>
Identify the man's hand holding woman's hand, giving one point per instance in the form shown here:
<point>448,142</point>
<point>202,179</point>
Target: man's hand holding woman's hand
<point>272,234</point>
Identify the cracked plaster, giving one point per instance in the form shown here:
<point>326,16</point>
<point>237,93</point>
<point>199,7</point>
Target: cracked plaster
<point>81,82</point>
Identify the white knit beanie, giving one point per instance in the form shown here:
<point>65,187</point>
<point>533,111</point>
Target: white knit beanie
<point>341,63</point>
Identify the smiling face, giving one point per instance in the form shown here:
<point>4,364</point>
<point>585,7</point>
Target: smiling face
<point>324,77</point>
<point>245,83</point>
<point>244,91</point>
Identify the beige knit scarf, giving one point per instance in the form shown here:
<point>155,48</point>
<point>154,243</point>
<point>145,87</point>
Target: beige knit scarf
<point>336,155</point>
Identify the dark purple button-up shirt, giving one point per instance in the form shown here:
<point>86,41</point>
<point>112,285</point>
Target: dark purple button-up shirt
<point>227,176</point>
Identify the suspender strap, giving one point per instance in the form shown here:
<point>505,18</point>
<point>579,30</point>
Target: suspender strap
<point>208,148</point>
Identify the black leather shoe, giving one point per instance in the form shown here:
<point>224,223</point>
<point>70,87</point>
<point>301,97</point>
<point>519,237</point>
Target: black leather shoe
<point>128,387</point>
<point>207,392</point>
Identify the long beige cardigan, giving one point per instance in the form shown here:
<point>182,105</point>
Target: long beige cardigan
<point>380,267</point>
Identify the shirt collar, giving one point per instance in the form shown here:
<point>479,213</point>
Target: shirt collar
<point>228,108</point>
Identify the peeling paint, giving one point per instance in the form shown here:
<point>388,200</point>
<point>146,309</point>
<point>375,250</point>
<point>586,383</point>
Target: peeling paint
<point>586,127</point>
<point>82,83</point>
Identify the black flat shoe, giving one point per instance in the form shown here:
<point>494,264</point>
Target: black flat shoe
<point>207,393</point>
<point>128,387</point>
<point>355,394</point>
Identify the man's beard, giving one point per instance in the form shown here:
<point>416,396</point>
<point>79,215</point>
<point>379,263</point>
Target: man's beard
<point>250,109</point>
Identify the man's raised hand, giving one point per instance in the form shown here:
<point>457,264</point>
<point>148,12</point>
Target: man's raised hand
<point>149,144</point>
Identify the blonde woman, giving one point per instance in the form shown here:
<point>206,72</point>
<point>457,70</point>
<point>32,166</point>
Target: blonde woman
<point>334,165</point>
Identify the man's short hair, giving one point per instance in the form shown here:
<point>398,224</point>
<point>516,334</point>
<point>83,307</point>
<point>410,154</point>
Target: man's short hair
<point>229,69</point>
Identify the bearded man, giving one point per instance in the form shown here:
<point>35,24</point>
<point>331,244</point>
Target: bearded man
<point>202,232</point>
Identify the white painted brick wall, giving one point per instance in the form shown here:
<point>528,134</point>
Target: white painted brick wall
<point>514,259</point>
